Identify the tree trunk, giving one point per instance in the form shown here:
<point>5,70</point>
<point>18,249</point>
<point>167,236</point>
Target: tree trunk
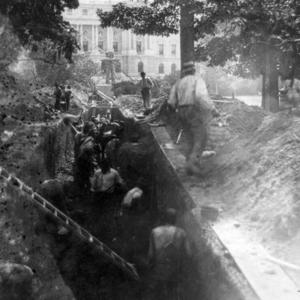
<point>270,100</point>
<point>186,33</point>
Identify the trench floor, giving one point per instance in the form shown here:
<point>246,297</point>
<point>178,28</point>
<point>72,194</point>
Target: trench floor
<point>91,276</point>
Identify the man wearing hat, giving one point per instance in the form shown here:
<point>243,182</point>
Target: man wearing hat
<point>146,84</point>
<point>189,97</point>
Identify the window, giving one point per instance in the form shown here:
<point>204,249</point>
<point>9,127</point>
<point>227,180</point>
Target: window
<point>138,47</point>
<point>161,49</point>
<point>116,47</point>
<point>140,67</point>
<point>84,12</point>
<point>173,50</point>
<point>69,11</point>
<point>173,69</point>
<point>161,69</point>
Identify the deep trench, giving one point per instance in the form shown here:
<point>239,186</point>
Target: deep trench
<point>90,276</point>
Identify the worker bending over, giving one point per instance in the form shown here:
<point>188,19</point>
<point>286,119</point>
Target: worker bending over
<point>189,97</point>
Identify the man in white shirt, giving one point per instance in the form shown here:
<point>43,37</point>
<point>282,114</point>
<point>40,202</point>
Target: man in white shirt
<point>189,97</point>
<point>146,84</point>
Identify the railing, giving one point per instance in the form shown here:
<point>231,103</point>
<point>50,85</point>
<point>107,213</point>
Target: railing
<point>82,233</point>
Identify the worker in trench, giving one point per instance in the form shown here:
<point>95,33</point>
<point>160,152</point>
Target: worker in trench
<point>57,95</point>
<point>86,153</point>
<point>189,98</point>
<point>105,184</point>
<point>169,255</point>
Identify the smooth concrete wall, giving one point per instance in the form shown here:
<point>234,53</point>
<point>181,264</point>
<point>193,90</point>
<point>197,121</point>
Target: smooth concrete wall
<point>219,276</point>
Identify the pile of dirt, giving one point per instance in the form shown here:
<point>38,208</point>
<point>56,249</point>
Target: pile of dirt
<point>22,244</point>
<point>22,151</point>
<point>254,178</point>
<point>134,103</point>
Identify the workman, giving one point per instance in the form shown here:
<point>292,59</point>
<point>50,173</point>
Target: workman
<point>63,97</point>
<point>169,253</point>
<point>85,155</point>
<point>189,97</point>
<point>68,95</point>
<point>146,84</point>
<point>105,182</point>
<point>57,95</point>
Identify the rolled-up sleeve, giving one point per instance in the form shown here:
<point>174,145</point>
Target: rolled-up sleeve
<point>202,96</point>
<point>201,91</point>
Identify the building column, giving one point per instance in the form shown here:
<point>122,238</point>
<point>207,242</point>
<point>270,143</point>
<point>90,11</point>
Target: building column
<point>125,42</point>
<point>93,37</point>
<point>109,39</point>
<point>133,42</point>
<point>97,36</point>
<point>81,37</point>
<point>148,42</point>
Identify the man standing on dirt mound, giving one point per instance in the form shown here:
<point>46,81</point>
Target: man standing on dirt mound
<point>146,84</point>
<point>189,97</point>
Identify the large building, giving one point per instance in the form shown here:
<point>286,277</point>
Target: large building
<point>153,54</point>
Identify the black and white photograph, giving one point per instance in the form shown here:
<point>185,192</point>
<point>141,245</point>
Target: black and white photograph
<point>149,150</point>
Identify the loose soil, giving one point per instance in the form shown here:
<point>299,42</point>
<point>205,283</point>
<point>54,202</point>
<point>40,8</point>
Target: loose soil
<point>253,180</point>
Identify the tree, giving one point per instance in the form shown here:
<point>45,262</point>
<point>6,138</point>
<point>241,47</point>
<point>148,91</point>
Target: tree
<point>35,21</point>
<point>257,34</point>
<point>79,72</point>
<point>261,35</point>
<point>160,17</point>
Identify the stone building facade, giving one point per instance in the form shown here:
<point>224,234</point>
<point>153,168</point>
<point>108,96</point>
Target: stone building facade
<point>155,55</point>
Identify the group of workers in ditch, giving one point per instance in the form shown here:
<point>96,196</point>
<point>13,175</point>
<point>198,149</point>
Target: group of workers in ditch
<point>96,173</point>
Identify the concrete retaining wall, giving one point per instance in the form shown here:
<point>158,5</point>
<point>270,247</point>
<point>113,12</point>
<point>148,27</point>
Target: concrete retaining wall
<point>219,276</point>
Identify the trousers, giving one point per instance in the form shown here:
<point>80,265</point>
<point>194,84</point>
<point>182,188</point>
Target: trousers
<point>195,129</point>
<point>146,95</point>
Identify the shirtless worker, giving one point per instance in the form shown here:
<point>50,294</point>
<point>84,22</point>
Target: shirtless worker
<point>189,97</point>
<point>169,253</point>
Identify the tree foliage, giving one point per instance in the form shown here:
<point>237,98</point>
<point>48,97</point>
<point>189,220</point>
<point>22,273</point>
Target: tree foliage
<point>35,21</point>
<point>239,30</point>
<point>80,71</point>
<point>250,30</point>
<point>156,18</point>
